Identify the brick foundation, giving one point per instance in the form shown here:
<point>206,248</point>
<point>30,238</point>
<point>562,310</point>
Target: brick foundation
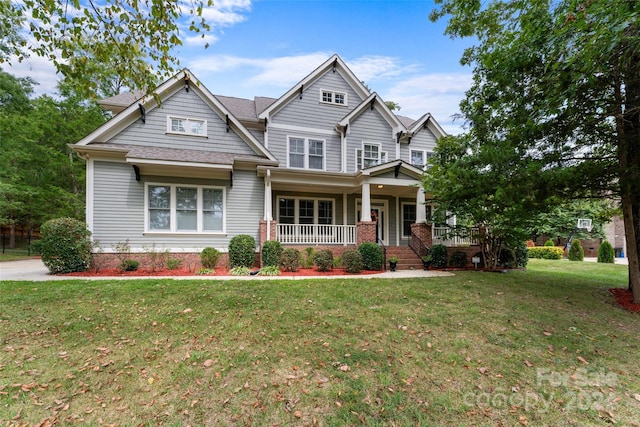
<point>366,231</point>
<point>423,231</point>
<point>263,231</point>
<point>191,260</point>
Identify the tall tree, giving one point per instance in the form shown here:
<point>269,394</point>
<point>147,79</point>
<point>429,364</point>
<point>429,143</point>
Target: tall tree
<point>141,35</point>
<point>557,89</point>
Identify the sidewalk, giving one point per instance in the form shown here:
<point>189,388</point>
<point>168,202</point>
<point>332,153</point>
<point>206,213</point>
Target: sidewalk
<point>34,270</point>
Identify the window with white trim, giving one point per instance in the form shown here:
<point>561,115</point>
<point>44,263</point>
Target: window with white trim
<point>306,153</point>
<point>185,209</point>
<point>409,217</point>
<point>333,97</point>
<point>420,158</point>
<point>370,155</point>
<point>304,210</point>
<point>186,126</point>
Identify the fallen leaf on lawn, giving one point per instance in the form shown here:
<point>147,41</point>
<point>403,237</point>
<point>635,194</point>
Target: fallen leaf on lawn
<point>150,380</point>
<point>529,364</point>
<point>344,368</point>
<point>637,397</point>
<point>297,414</point>
<point>547,333</point>
<point>523,420</point>
<point>338,404</point>
<point>583,360</point>
<point>483,370</point>
<point>187,310</point>
<point>208,363</point>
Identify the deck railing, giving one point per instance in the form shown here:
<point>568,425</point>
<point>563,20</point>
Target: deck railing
<point>304,234</point>
<point>448,237</point>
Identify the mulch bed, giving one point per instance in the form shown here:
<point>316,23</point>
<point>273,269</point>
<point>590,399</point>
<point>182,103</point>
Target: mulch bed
<point>624,298</point>
<point>106,272</point>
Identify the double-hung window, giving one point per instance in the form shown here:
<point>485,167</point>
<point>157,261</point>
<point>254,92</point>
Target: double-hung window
<point>186,126</point>
<point>302,210</point>
<point>370,155</point>
<point>420,158</point>
<point>306,153</point>
<point>185,209</point>
<point>333,97</point>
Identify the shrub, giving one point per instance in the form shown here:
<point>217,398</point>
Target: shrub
<point>173,263</point>
<point>371,255</point>
<point>576,253</point>
<point>204,271</point>
<point>209,257</point>
<point>65,245</point>
<point>157,258</point>
<point>458,259</point>
<point>129,265</point>
<point>323,260</point>
<point>270,270</point>
<point>549,243</point>
<point>242,251</point>
<point>352,260</point>
<point>545,252</point>
<point>307,260</point>
<point>271,251</point>
<point>438,256</point>
<point>606,253</point>
<point>521,254</point>
<point>506,258</point>
<point>289,259</point>
<point>240,271</point>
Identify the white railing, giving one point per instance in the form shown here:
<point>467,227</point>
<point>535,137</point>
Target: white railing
<point>303,234</point>
<point>442,235</point>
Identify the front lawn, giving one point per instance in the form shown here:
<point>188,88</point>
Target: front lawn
<point>546,346</point>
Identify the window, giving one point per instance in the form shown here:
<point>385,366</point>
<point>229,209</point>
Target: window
<point>183,125</point>
<point>420,158</point>
<point>306,153</point>
<point>293,210</point>
<point>332,97</point>
<point>190,209</point>
<point>408,218</point>
<point>370,155</point>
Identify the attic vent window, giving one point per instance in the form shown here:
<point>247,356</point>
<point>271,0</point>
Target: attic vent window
<point>332,97</point>
<point>186,126</point>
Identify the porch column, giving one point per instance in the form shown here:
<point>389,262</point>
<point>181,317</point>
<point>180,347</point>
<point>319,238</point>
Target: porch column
<point>365,215</point>
<point>268,216</point>
<point>421,212</point>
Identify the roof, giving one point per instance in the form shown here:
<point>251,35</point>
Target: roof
<point>121,101</point>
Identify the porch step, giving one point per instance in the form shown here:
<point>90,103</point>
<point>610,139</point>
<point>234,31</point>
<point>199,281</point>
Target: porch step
<point>407,259</point>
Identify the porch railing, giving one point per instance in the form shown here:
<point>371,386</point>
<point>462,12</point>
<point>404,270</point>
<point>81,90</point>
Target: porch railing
<point>448,237</point>
<point>316,234</point>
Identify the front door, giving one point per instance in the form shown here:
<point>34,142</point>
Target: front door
<point>379,216</point>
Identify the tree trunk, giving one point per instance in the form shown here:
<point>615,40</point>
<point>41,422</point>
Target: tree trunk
<point>12,235</point>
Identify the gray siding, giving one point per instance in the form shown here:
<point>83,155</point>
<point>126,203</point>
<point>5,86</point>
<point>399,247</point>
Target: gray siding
<point>119,210</point>
<point>369,127</point>
<point>424,139</point>
<point>189,105</point>
<point>279,148</point>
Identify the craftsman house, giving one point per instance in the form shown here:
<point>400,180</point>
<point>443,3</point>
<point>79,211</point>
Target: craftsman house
<point>326,164</point>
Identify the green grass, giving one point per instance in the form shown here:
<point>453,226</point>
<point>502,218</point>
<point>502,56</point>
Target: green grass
<point>474,349</point>
<point>11,256</point>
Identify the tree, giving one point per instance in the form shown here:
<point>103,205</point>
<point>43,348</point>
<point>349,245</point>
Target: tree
<point>560,220</point>
<point>557,91</point>
<point>130,36</point>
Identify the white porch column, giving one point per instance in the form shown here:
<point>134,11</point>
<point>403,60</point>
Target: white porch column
<point>268,216</point>
<point>421,212</point>
<point>365,215</point>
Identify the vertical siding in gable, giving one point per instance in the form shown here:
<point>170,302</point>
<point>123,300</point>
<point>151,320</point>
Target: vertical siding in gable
<point>369,127</point>
<point>189,105</point>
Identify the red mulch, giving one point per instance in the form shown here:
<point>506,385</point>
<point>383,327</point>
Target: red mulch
<point>219,272</point>
<point>624,298</point>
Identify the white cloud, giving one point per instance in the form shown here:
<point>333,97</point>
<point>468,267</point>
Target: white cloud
<point>376,68</point>
<point>225,13</point>
<point>200,40</point>
<point>40,70</point>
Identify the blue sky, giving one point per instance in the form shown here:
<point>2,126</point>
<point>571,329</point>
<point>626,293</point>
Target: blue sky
<point>263,47</point>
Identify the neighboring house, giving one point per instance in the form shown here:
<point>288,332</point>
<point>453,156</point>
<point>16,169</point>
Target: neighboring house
<point>325,164</point>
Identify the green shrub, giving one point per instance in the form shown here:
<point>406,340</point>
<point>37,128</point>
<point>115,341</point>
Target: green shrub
<point>458,259</point>
<point>323,260</point>
<point>549,243</point>
<point>240,271</point>
<point>352,260</point>
<point>129,265</point>
<point>576,253</point>
<point>371,255</point>
<point>65,245</point>
<point>270,270</point>
<point>289,259</point>
<point>438,255</point>
<point>204,271</point>
<point>521,255</point>
<point>174,263</point>
<point>606,253</point>
<point>209,257</point>
<point>545,252</point>
<point>506,258</point>
<point>242,251</point>
<point>307,260</point>
<point>271,251</point>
